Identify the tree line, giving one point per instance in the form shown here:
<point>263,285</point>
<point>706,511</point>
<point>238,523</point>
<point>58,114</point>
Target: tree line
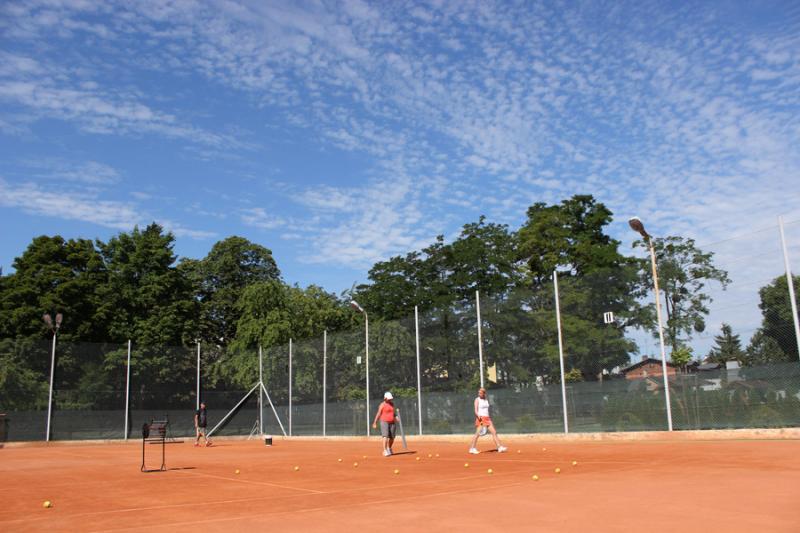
<point>235,300</point>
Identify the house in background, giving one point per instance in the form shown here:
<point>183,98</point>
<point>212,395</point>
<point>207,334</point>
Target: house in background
<point>648,367</point>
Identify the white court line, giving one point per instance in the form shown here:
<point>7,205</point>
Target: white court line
<point>311,510</point>
<point>264,483</point>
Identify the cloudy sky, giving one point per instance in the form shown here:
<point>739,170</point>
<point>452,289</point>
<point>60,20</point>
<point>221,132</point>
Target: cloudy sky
<point>342,133</point>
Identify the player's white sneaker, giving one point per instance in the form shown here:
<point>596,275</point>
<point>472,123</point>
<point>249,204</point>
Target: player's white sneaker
<point>474,451</point>
<point>386,453</point>
<point>502,449</point>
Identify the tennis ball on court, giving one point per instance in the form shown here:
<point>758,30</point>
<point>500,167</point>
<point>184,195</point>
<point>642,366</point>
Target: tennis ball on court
<point>490,471</point>
<point>396,471</point>
<point>535,477</point>
<point>355,465</point>
<point>544,449</point>
<point>574,463</point>
<point>340,460</point>
<point>296,468</point>
<point>437,455</point>
<point>429,456</point>
<point>519,451</point>
<point>417,458</point>
<point>237,471</point>
<point>466,465</point>
<point>363,456</point>
<point>558,470</point>
<point>47,504</point>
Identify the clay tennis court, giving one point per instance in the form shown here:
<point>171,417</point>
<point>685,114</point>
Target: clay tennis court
<point>696,485</point>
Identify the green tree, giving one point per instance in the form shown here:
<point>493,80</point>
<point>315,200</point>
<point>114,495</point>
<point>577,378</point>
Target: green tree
<point>684,272</point>
<point>220,279</point>
<point>682,356</point>
<point>764,350</point>
<point>728,347</point>
<point>777,320</point>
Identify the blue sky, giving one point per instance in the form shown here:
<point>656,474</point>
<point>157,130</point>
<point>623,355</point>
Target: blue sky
<point>341,133</point>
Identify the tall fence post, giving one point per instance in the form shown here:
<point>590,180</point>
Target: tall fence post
<point>290,387</point>
<point>197,395</point>
<point>561,352</point>
<point>480,338</point>
<point>366,353</point>
<point>127,389</point>
<point>324,381</point>
<point>261,385</point>
<point>790,283</point>
<point>419,379</point>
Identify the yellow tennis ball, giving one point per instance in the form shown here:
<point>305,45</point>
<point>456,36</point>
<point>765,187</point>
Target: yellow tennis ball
<point>363,456</point>
<point>519,451</point>
<point>558,470</point>
<point>417,458</point>
<point>296,468</point>
<point>340,460</point>
<point>355,465</point>
<point>535,477</point>
<point>429,455</point>
<point>466,465</point>
<point>237,471</point>
<point>47,504</point>
<point>396,471</point>
<point>490,471</point>
<point>574,463</point>
<point>437,455</point>
<point>544,449</point>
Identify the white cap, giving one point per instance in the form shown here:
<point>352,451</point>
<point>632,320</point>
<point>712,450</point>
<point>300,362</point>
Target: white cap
<point>387,396</point>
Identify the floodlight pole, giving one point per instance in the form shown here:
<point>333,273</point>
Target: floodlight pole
<point>419,380</point>
<point>638,227</point>
<point>790,283</point>
<point>128,389</point>
<point>54,328</point>
<point>480,338</point>
<point>290,387</point>
<point>561,352</point>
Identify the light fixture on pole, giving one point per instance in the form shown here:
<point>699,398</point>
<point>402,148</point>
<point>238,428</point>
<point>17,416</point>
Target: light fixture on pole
<point>54,327</point>
<point>637,226</point>
<point>360,309</point>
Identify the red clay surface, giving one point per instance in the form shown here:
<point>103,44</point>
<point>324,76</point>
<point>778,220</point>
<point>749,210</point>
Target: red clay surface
<point>616,486</point>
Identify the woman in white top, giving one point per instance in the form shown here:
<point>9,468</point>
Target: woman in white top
<point>483,420</point>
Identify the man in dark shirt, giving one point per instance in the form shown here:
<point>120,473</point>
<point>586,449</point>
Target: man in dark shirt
<point>200,423</point>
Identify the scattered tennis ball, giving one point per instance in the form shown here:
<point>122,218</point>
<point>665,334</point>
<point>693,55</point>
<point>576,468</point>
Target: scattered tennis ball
<point>417,458</point>
<point>296,468</point>
<point>558,470</point>
<point>355,465</point>
<point>535,477</point>
<point>574,463</point>
<point>429,455</point>
<point>466,465</point>
<point>396,471</point>
<point>47,504</point>
<point>519,451</point>
<point>237,471</point>
<point>340,460</point>
<point>490,471</point>
<point>544,449</point>
<point>437,455</point>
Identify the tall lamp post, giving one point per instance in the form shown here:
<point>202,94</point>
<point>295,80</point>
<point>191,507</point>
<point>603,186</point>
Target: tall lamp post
<point>637,226</point>
<point>360,309</point>
<point>54,326</point>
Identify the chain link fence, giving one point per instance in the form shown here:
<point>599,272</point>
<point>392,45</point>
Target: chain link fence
<point>742,371</point>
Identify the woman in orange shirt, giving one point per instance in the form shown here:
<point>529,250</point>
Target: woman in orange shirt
<point>386,415</point>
